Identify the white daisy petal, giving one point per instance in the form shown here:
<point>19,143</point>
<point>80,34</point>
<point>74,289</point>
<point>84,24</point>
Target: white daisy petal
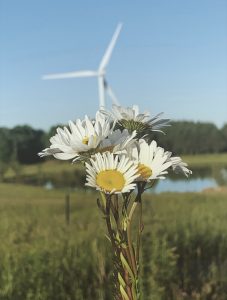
<point>149,160</point>
<point>64,156</point>
<point>81,137</point>
<point>179,166</point>
<point>110,178</point>
<point>130,117</point>
<point>152,161</point>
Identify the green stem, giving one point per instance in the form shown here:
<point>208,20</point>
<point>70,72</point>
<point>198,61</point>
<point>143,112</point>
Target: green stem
<point>139,233</point>
<point>116,250</point>
<point>141,189</point>
<point>121,239</point>
<point>131,250</point>
<point>108,222</point>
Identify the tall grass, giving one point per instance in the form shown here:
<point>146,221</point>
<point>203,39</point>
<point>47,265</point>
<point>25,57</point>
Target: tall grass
<point>41,257</point>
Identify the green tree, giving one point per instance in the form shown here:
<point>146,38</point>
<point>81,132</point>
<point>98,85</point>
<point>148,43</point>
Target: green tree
<point>6,145</point>
<point>224,136</point>
<point>185,137</point>
<point>27,142</point>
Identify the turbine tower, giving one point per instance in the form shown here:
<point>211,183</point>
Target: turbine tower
<point>100,73</point>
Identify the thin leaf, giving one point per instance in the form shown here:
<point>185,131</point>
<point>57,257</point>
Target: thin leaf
<point>100,206</point>
<point>123,293</point>
<point>103,197</point>
<point>125,263</point>
<point>121,280</point>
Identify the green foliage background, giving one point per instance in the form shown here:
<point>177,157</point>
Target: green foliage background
<point>22,143</point>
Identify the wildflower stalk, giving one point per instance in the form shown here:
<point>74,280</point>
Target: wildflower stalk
<point>119,217</point>
<point>129,238</point>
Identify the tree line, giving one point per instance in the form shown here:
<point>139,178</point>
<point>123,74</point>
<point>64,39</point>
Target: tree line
<point>22,143</point>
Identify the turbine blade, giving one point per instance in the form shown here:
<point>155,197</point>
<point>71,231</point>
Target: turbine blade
<point>101,92</point>
<point>71,75</point>
<point>110,47</point>
<point>111,93</point>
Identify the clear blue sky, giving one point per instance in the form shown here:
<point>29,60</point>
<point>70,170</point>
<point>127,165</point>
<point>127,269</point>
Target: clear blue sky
<point>171,56</point>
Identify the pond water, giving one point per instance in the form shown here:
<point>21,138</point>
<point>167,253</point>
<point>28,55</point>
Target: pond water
<point>181,185</point>
<point>202,178</point>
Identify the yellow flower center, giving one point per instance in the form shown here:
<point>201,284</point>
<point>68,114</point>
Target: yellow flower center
<point>85,140</point>
<point>110,179</point>
<point>144,171</point>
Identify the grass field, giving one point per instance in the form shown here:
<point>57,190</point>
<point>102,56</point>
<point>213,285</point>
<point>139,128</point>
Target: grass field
<point>42,258</point>
<point>206,159</point>
<point>184,246</point>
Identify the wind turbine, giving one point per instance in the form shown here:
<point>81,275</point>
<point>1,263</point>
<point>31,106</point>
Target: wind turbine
<point>100,73</point>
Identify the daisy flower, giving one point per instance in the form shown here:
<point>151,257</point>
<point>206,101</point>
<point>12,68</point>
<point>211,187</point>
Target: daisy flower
<point>130,118</point>
<point>152,161</point>
<point>178,166</point>
<point>117,141</point>
<point>81,137</point>
<point>109,173</point>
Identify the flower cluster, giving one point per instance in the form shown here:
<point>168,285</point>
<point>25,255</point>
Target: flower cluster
<point>117,149</point>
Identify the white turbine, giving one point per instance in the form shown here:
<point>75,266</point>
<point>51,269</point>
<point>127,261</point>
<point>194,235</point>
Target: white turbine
<point>100,73</point>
